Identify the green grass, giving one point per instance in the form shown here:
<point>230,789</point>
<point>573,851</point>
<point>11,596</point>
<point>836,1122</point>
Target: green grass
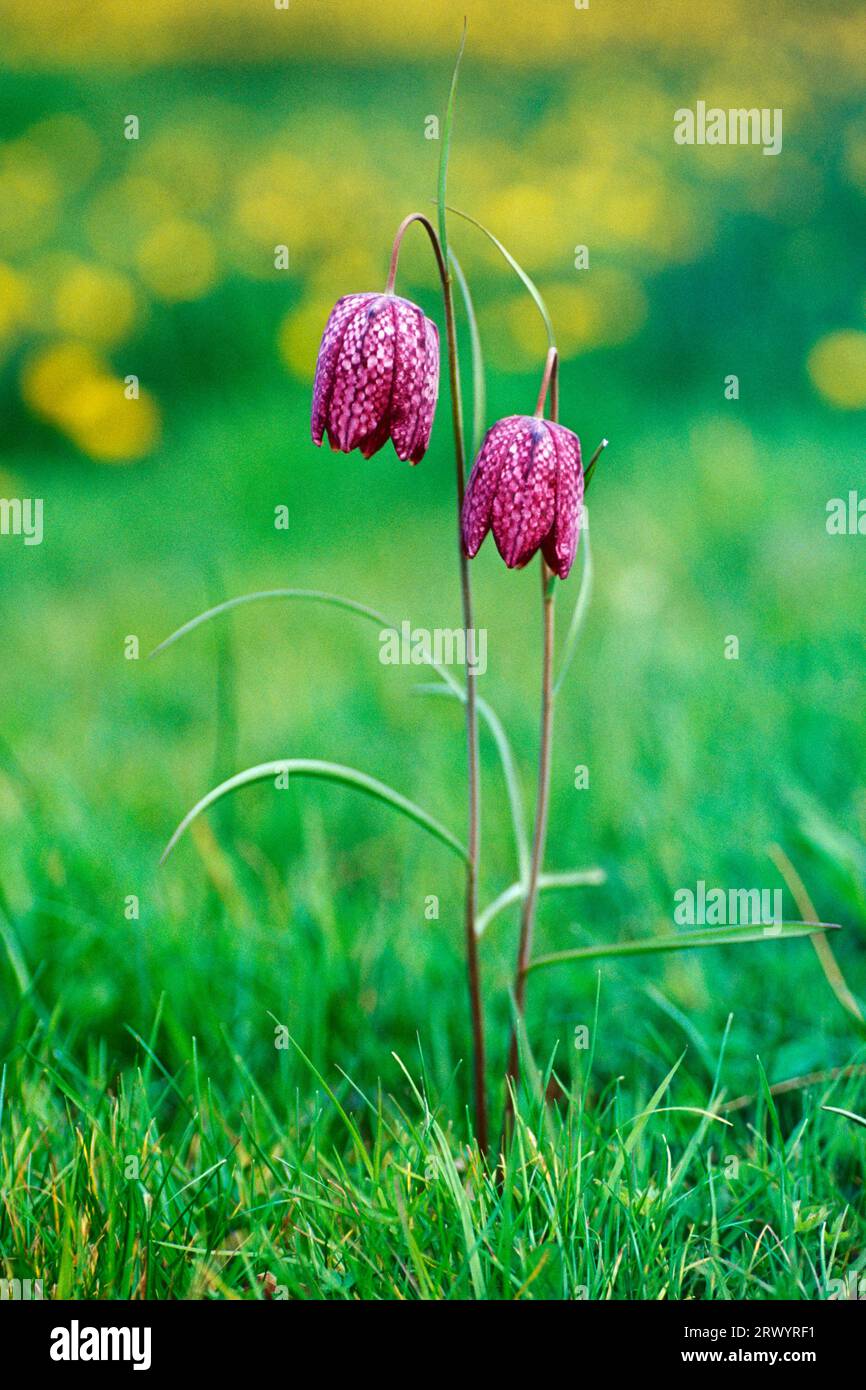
<point>155,1037</point>
<point>163,1184</point>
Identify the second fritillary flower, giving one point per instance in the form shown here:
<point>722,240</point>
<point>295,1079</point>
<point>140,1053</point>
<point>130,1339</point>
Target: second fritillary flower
<point>527,487</point>
<point>377,377</point>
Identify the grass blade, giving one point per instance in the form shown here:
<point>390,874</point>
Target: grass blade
<point>848,1114</point>
<point>687,941</point>
<point>518,270</point>
<point>685,1110</point>
<point>15,955</point>
<point>479,385</point>
<point>450,684</point>
<point>591,466</point>
<point>324,771</point>
<point>581,606</point>
<point>577,878</point>
<point>445,148</point>
<point>640,1122</point>
<point>823,950</point>
<point>464,1211</point>
<point>349,605</point>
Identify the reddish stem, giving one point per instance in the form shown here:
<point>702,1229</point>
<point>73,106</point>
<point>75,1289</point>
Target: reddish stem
<point>549,381</point>
<point>437,251</point>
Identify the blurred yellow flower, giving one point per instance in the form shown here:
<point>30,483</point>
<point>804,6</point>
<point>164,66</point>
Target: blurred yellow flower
<point>111,33</point>
<point>177,260</point>
<point>854,146</point>
<point>725,454</point>
<point>108,426</point>
<point>71,385</point>
<point>268,209</point>
<point>359,268</point>
<point>49,375</point>
<point>533,222</point>
<point>837,367</point>
<point>94,303</point>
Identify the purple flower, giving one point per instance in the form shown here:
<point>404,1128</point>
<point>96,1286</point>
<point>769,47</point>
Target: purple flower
<point>377,377</point>
<point>527,484</point>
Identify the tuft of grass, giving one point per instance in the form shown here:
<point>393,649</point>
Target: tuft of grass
<point>159,1183</point>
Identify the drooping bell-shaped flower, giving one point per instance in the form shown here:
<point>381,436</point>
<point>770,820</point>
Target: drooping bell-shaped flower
<point>527,486</point>
<point>377,377</point>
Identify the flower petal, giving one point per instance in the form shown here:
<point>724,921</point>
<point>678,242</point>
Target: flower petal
<point>410,364</point>
<point>525,502</point>
<point>375,440</point>
<point>560,544</point>
<point>429,393</point>
<point>364,372</point>
<point>483,482</point>
<point>326,366</point>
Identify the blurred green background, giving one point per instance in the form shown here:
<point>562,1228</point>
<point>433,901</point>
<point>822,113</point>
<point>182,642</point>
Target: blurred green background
<point>155,257</point>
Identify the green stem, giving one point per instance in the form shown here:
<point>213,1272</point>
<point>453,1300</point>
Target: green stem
<point>474,794</point>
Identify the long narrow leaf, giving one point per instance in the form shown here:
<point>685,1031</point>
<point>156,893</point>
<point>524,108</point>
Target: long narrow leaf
<point>329,772</point>
<point>350,605</point>
<point>823,950</point>
<point>577,878</point>
<point>518,270</point>
<point>687,941</point>
<point>14,953</point>
<point>848,1114</point>
<point>685,1110</point>
<point>445,148</point>
<point>464,1210</point>
<point>592,465</point>
<point>581,605</point>
<point>479,385</point>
